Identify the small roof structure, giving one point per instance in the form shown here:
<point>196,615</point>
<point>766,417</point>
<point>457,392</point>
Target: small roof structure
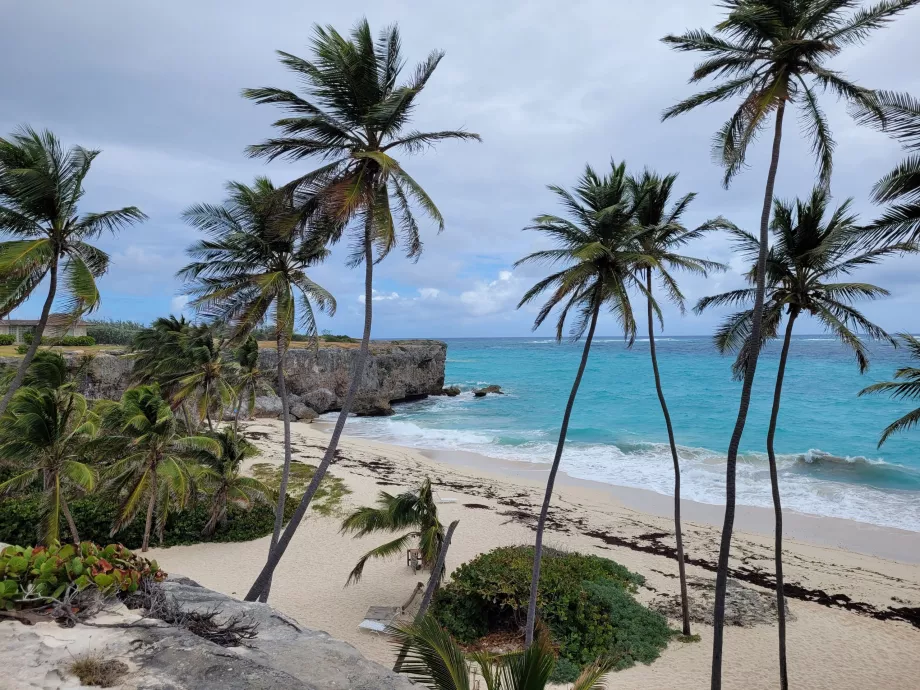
<point>53,320</point>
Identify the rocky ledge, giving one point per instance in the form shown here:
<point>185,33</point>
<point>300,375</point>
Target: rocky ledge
<point>156,655</point>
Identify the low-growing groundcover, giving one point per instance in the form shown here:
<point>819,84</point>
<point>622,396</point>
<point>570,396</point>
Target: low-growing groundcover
<point>586,602</point>
<point>328,497</point>
<point>94,516</point>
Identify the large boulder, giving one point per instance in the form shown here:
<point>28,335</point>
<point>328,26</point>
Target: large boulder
<point>451,391</point>
<point>482,392</point>
<point>302,412</point>
<point>372,406</point>
<point>267,406</point>
<point>321,400</point>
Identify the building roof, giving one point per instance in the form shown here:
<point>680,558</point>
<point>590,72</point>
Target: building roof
<point>53,320</point>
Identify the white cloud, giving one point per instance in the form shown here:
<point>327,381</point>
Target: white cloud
<point>429,293</point>
<point>493,296</point>
<point>177,304</point>
<point>380,296</point>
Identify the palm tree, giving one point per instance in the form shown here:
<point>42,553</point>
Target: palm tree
<point>152,466</point>
<point>200,371</point>
<point>599,252</point>
<point>899,116</point>
<point>224,481</point>
<point>353,118</point>
<point>254,265</point>
<point>248,376</point>
<point>906,386</point>
<point>435,660</point>
<point>770,53</point>
<point>45,428</point>
<point>808,256</point>
<point>40,188</point>
<point>414,510</point>
<point>662,234</point>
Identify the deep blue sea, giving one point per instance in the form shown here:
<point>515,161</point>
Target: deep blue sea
<point>826,438</point>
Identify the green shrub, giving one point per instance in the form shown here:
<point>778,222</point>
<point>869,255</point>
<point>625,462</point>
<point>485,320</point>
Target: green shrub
<point>65,340</point>
<point>94,516</point>
<point>6,339</point>
<point>34,576</point>
<point>585,601</point>
<point>111,332</point>
<point>22,349</point>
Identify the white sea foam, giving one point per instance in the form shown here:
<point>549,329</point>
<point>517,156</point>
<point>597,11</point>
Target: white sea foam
<point>811,482</point>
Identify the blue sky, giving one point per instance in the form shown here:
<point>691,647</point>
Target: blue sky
<point>156,87</point>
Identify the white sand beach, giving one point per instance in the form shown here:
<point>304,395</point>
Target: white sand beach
<point>850,577</point>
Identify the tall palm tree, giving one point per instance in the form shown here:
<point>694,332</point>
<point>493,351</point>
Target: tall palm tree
<point>808,257</point>
<point>224,481</point>
<point>770,53</point>
<point>662,234</point>
<point>45,429</point>
<point>353,117</point>
<point>253,267</point>
<point>598,250</point>
<point>435,660</point>
<point>899,116</point>
<point>40,188</point>
<point>414,510</point>
<point>151,466</point>
<point>906,386</point>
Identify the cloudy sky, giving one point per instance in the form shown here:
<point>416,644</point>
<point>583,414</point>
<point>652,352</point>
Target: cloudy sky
<point>550,86</point>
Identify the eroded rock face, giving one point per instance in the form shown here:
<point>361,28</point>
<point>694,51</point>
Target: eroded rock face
<point>302,412</point>
<point>372,406</point>
<point>283,655</point>
<point>396,370</point>
<point>267,406</point>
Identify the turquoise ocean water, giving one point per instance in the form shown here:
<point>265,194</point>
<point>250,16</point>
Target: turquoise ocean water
<point>826,438</point>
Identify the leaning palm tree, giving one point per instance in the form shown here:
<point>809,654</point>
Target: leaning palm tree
<point>413,510</point>
<point>353,117</point>
<point>201,372</point>
<point>40,188</point>
<point>804,266</point>
<point>770,54</point>
<point>661,236</point>
<point>906,386</point>
<point>253,267</point>
<point>599,252</point>
<point>45,429</point>
<point>434,659</point>
<point>151,465</point>
<point>224,481</point>
<point>899,116</point>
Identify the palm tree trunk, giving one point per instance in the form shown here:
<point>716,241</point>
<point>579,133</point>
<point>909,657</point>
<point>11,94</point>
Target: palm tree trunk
<point>432,587</point>
<point>777,506</point>
<point>681,567</point>
<point>150,506</point>
<point>36,339</point>
<point>718,616</point>
<point>275,555</point>
<point>541,523</point>
<point>286,469</point>
<point>74,535</point>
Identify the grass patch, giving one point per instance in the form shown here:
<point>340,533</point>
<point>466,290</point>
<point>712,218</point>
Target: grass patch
<point>11,351</point>
<point>94,669</point>
<point>328,498</point>
<point>687,638</point>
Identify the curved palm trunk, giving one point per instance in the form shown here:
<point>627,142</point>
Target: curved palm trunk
<point>718,616</point>
<point>36,340</point>
<point>681,567</point>
<point>541,523</point>
<point>274,557</point>
<point>286,470</point>
<point>71,525</point>
<point>777,506</point>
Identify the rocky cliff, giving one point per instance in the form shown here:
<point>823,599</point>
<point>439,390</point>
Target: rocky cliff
<point>155,655</point>
<point>317,379</point>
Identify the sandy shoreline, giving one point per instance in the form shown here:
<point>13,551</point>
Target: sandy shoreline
<point>855,587</point>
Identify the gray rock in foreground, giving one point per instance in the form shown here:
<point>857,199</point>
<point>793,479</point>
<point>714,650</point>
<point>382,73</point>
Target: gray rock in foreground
<point>162,657</point>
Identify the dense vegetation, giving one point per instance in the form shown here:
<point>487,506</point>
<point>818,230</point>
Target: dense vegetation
<point>585,601</point>
<point>113,332</point>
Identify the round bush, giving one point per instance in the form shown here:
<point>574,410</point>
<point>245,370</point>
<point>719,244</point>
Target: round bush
<point>585,601</point>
